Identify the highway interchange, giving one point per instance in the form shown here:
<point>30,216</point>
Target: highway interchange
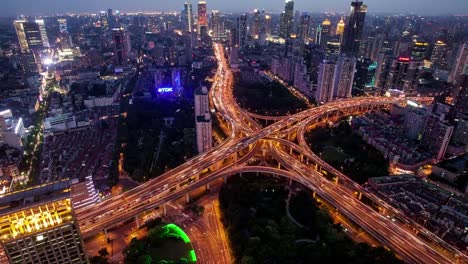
<point>246,139</point>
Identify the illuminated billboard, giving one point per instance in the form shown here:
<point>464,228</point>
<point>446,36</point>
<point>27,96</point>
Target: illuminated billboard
<point>165,90</point>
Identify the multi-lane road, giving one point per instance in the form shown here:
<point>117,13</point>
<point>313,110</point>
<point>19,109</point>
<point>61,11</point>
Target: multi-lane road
<point>246,137</point>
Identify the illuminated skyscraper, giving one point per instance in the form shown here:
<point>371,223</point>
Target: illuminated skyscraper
<point>217,26</point>
<point>242,30</point>
<point>122,46</point>
<point>460,64</point>
<point>38,225</point>
<point>322,34</point>
<point>304,27</point>
<point>353,29</point>
<point>403,75</point>
<point>43,33</point>
<point>419,50</point>
<point>188,16</point>
<point>202,16</point>
<point>287,17</point>
<point>256,25</point>
<point>65,39</point>
<point>267,25</point>
<point>344,77</point>
<point>340,29</point>
<point>30,35</point>
<point>325,83</point>
<point>104,21</point>
<point>438,56</point>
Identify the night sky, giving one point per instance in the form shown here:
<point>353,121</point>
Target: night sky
<point>42,7</point>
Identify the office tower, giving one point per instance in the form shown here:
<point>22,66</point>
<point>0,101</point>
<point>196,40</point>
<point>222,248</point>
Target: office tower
<point>188,16</point>
<point>202,16</point>
<point>384,63</point>
<point>438,55</point>
<point>353,29</point>
<point>43,33</point>
<point>203,120</point>
<point>267,25</point>
<point>403,75</point>
<point>419,50</point>
<point>437,135</point>
<point>256,24</point>
<point>242,31</point>
<point>325,82</point>
<point>460,63</point>
<point>122,46</point>
<point>415,121</point>
<point>340,29</point>
<point>461,96</point>
<point>38,225</point>
<point>373,47</point>
<point>286,20</point>
<point>217,26</point>
<point>104,21</point>
<point>29,36</point>
<point>322,34</point>
<point>344,77</point>
<point>304,28</point>
<point>65,39</point>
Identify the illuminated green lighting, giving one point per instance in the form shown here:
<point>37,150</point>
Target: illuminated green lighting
<point>178,231</point>
<point>193,257</point>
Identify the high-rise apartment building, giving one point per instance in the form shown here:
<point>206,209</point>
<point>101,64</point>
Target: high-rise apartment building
<point>65,39</point>
<point>203,120</point>
<point>438,55</point>
<point>217,26</point>
<point>326,81</point>
<point>43,32</point>
<point>354,28</point>
<point>104,19</point>
<point>437,135</point>
<point>38,225</point>
<point>460,64</point>
<point>344,77</point>
<point>122,45</point>
<point>267,24</point>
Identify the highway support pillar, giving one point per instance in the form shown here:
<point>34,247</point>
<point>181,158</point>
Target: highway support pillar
<point>336,180</point>
<point>279,165</point>
<point>360,196</point>
<point>164,210</point>
<point>225,179</point>
<point>313,195</point>
<point>384,211</point>
<point>137,221</point>
<point>290,151</point>
<point>207,187</point>
<point>302,157</point>
<point>290,182</point>
<point>106,235</point>
<point>187,197</point>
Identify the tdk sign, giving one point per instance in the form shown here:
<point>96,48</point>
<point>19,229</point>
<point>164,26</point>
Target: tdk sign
<point>165,90</point>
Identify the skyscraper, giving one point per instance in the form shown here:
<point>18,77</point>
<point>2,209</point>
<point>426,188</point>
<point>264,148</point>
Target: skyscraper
<point>325,82</point>
<point>65,39</point>
<point>286,20</point>
<point>217,26</point>
<point>188,16</point>
<point>354,27</point>
<point>202,16</point>
<point>460,63</point>
<point>43,32</point>
<point>203,120</point>
<point>38,226</point>
<point>256,24</point>
<point>344,77</point>
<point>30,35</point>
<point>304,28</point>
<point>104,19</point>
<point>122,46</point>
<point>437,135</point>
<point>461,93</point>
<point>267,25</point>
<point>242,30</point>
<point>438,55</point>
<point>324,34</point>
<point>403,75</point>
<point>340,30</point>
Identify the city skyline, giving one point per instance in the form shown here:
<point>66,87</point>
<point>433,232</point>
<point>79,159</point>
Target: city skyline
<point>50,7</point>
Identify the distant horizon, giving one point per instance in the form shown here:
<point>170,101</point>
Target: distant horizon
<point>14,8</point>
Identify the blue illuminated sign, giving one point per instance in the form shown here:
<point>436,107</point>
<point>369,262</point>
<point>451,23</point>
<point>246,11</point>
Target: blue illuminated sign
<point>165,90</point>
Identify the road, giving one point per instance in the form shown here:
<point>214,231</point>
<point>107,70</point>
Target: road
<point>243,143</point>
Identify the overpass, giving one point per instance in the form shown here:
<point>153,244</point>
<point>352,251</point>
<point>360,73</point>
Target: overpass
<point>247,142</point>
